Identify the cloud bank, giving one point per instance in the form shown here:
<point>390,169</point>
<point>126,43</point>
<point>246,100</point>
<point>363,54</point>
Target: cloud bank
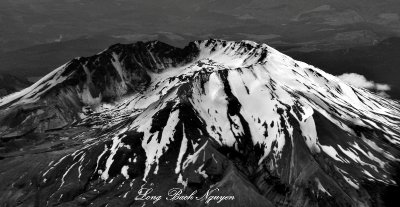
<point>362,82</point>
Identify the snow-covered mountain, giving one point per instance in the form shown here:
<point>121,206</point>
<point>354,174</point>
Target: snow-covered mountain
<point>237,116</point>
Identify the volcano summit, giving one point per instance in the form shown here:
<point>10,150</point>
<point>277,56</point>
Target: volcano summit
<point>239,117</point>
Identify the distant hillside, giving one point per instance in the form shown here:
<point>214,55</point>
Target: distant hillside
<point>10,84</point>
<point>25,23</point>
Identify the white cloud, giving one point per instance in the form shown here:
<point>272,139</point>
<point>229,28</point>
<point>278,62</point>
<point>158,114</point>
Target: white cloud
<point>357,80</point>
<point>360,81</point>
<point>382,87</point>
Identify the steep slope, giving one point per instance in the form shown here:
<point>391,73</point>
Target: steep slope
<point>234,116</point>
<point>59,96</point>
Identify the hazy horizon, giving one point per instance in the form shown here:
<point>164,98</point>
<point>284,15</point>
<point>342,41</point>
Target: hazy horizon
<point>25,23</point>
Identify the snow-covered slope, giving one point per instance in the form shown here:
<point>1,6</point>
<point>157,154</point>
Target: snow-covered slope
<point>232,115</point>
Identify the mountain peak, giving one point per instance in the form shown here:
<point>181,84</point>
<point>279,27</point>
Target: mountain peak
<point>213,114</point>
